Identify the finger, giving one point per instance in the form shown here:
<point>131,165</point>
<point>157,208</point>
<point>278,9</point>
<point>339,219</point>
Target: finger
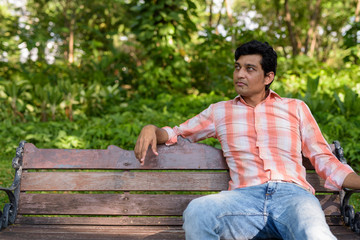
<point>143,150</point>
<point>154,147</point>
<point>137,150</point>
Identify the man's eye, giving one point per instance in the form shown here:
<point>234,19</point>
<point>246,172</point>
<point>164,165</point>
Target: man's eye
<point>251,68</point>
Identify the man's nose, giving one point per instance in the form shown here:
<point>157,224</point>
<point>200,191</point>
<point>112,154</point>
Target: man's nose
<point>240,73</point>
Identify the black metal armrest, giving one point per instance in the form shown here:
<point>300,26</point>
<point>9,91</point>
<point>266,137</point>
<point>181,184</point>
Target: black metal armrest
<point>8,215</point>
<point>351,218</point>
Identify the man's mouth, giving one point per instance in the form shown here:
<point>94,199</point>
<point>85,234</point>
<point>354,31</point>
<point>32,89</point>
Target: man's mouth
<point>240,84</point>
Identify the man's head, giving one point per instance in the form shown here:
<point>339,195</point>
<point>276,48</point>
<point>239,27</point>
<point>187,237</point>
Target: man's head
<point>269,56</point>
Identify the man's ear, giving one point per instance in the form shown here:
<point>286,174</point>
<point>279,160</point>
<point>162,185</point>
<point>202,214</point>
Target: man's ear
<point>269,77</point>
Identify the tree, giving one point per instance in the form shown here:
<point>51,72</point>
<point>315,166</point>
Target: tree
<point>306,27</point>
<point>80,29</point>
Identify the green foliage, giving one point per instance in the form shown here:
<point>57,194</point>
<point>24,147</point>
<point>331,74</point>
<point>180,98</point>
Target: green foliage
<point>212,64</point>
<point>163,28</point>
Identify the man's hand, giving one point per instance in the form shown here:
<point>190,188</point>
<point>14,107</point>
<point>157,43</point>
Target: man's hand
<point>149,135</point>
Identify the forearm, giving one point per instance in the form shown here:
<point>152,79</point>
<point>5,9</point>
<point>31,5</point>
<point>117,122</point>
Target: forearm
<point>352,181</point>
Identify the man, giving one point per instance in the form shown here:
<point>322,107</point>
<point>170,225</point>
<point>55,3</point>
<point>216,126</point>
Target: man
<point>263,137</point>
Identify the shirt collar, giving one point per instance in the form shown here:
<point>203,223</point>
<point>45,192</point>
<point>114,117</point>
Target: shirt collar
<point>271,95</point>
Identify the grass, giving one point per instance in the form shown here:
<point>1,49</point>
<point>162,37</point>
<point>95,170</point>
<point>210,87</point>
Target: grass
<point>6,178</point>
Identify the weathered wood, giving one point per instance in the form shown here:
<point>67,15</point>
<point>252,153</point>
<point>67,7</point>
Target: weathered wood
<point>125,181</point>
<point>330,204</point>
<point>135,181</point>
<point>116,158</point>
<point>344,233</point>
<point>332,220</point>
<point>102,221</point>
<point>104,204</point>
<point>117,232</point>
<point>92,232</point>
<point>193,156</point>
<point>183,155</point>
<point>125,204</point>
<point>307,164</point>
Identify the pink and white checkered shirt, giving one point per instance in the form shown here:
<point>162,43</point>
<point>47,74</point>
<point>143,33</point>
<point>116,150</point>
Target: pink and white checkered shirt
<point>265,142</point>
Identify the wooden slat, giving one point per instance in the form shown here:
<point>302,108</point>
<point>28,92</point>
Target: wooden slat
<point>332,220</point>
<point>193,156</point>
<point>104,204</point>
<point>91,232</point>
<point>344,233</point>
<point>183,155</point>
<point>102,221</point>
<point>136,181</point>
<point>330,204</point>
<point>125,204</point>
<point>118,232</point>
<point>317,182</point>
<point>124,181</point>
<point>307,164</point>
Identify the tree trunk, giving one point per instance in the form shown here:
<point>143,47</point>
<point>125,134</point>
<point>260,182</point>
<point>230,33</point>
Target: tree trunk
<point>211,13</point>
<point>228,4</point>
<point>71,40</point>
<point>15,111</point>
<point>289,24</point>
<point>357,18</point>
<point>218,22</point>
<point>313,44</point>
<point>53,112</point>
<point>69,112</point>
<point>311,34</point>
<point>69,106</point>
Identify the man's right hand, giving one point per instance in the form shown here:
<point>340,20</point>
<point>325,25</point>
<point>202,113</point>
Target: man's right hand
<point>146,137</point>
<point>149,135</point>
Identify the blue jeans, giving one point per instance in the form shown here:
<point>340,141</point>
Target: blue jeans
<point>271,210</point>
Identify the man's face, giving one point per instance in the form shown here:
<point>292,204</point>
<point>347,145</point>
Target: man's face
<point>249,79</point>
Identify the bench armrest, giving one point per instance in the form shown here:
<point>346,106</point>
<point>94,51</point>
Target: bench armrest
<point>351,218</point>
<point>8,215</point>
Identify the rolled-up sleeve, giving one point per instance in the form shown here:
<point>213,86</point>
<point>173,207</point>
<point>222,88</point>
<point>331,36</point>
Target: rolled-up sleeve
<point>172,136</point>
<point>195,129</point>
<point>316,148</point>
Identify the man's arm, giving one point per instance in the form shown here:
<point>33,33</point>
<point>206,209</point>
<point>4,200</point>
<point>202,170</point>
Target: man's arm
<point>352,181</point>
<point>149,135</point>
<point>315,147</point>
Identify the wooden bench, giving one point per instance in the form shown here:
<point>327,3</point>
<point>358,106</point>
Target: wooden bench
<point>106,194</point>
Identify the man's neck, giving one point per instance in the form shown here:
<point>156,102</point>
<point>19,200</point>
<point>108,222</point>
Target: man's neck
<point>255,100</point>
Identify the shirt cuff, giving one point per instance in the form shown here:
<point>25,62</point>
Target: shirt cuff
<point>336,179</point>
<point>172,136</point>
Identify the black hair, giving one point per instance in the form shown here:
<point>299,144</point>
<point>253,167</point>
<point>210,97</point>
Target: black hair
<point>269,56</point>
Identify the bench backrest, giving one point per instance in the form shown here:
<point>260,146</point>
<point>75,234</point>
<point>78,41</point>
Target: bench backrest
<point>110,187</point>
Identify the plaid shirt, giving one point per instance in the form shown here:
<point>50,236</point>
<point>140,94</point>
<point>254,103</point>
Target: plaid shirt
<point>265,142</point>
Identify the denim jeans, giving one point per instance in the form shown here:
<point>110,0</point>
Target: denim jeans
<point>272,210</point>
